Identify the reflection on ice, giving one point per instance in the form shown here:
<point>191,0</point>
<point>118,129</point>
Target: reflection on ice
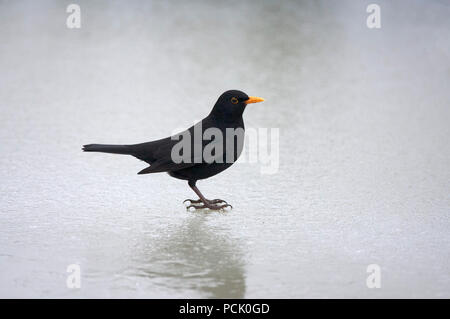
<point>196,258</point>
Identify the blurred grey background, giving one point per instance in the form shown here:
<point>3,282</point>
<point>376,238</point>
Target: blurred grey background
<point>364,149</point>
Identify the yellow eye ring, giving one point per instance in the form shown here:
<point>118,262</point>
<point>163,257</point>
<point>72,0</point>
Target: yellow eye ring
<point>234,100</point>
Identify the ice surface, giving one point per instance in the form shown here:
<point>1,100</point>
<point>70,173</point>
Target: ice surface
<point>364,149</point>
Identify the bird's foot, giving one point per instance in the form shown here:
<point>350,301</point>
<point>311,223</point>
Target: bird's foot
<point>211,204</point>
<point>199,201</point>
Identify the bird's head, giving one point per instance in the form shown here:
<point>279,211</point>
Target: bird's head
<point>231,104</point>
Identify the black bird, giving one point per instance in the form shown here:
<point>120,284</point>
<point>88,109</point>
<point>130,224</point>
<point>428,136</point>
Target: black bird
<point>204,150</point>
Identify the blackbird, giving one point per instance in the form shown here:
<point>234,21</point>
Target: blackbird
<point>204,150</point>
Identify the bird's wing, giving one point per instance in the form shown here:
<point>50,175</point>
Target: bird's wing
<point>160,158</point>
<point>159,153</point>
<point>165,162</point>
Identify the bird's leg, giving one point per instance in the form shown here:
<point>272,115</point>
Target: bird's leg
<point>206,203</point>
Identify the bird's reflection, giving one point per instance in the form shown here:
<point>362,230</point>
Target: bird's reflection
<point>196,256</point>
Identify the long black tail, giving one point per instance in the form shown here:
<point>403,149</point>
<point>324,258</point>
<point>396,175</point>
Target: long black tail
<point>105,148</point>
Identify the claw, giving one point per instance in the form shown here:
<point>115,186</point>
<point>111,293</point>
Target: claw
<point>192,201</point>
<point>222,207</point>
<point>217,200</point>
<point>211,204</point>
<point>193,206</point>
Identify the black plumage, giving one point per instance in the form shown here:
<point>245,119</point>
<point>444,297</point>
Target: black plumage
<point>225,118</point>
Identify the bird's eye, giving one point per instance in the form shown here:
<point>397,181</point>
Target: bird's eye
<point>234,100</point>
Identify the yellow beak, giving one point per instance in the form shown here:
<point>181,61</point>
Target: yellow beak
<point>254,99</point>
